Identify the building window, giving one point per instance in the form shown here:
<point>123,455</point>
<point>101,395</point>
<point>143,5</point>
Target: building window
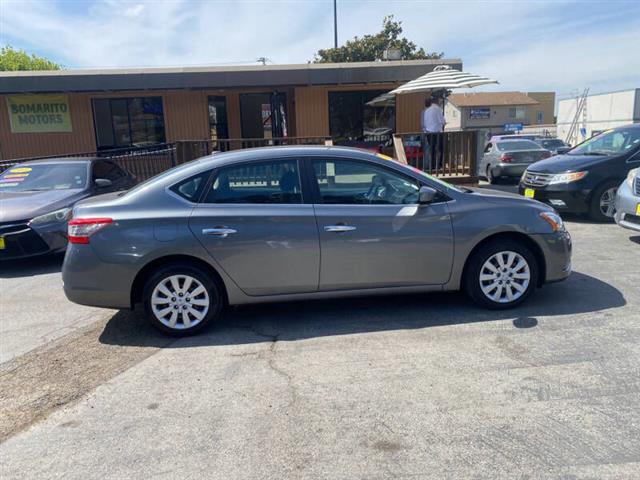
<point>517,113</point>
<point>539,117</point>
<point>361,116</point>
<point>128,122</point>
<point>218,126</point>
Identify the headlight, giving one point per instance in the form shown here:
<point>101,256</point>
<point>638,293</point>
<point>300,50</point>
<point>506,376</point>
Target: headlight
<point>631,175</point>
<point>567,177</point>
<point>554,220</point>
<point>61,215</point>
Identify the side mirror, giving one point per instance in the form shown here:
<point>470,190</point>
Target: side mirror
<point>562,150</point>
<point>102,182</point>
<point>426,195</point>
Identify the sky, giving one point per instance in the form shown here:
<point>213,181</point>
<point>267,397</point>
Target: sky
<point>533,45</point>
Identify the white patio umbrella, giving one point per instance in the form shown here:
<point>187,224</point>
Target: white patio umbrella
<point>443,77</point>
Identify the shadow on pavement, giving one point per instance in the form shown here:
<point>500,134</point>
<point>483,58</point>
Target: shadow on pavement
<point>300,320</point>
<point>29,267</point>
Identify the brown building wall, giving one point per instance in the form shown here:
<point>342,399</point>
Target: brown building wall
<point>186,117</point>
<point>547,106</point>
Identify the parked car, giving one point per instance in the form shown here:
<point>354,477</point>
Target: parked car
<point>509,158</point>
<point>585,179</point>
<point>292,223</point>
<point>551,144</point>
<point>628,201</point>
<point>36,199</point>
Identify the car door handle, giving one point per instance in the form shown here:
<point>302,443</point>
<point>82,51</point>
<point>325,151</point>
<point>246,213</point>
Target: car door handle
<point>219,231</point>
<point>339,228</point>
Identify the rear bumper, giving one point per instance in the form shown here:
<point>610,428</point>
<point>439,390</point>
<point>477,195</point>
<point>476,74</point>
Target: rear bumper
<point>561,197</point>
<point>513,170</point>
<point>556,248</point>
<point>88,280</point>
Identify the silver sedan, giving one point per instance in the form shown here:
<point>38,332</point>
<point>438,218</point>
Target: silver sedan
<point>628,201</point>
<point>292,223</point>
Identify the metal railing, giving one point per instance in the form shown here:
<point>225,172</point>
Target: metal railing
<point>448,154</point>
<point>187,150</point>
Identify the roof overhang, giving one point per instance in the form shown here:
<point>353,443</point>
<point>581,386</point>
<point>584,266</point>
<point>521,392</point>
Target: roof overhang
<point>218,77</point>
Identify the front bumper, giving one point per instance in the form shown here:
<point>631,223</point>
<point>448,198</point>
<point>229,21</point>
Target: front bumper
<point>556,248</point>
<point>627,208</point>
<point>22,240</point>
<point>562,197</point>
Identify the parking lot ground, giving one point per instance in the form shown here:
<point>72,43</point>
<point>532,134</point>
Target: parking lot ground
<point>421,386</point>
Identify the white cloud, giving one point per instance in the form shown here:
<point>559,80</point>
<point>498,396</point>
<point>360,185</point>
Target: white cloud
<point>527,45</point>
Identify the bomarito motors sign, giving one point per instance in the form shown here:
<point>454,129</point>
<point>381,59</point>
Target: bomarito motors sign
<point>39,113</point>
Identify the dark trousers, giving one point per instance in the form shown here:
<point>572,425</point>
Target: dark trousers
<point>432,151</point>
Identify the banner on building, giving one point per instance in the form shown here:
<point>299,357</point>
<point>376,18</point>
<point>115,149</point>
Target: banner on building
<point>39,113</point>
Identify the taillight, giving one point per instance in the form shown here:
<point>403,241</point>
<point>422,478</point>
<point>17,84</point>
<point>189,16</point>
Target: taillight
<point>80,229</point>
<point>504,158</point>
<point>546,154</point>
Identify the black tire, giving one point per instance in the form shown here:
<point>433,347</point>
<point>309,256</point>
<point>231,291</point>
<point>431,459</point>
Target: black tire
<point>473,270</point>
<point>490,178</point>
<point>214,294</point>
<point>595,213</point>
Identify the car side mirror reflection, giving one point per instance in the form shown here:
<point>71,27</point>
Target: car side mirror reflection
<point>426,195</point>
<point>102,182</point>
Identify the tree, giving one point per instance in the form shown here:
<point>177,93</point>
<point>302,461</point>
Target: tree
<point>371,47</point>
<point>12,59</point>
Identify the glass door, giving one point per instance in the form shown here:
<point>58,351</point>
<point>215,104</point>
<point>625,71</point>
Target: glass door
<point>263,115</point>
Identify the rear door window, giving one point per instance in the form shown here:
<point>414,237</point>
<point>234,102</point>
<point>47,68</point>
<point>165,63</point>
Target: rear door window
<point>274,181</point>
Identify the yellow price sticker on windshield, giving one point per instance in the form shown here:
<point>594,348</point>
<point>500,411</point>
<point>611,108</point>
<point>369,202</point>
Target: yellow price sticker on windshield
<point>20,170</point>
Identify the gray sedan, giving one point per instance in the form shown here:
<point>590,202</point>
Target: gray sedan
<point>292,223</point>
<point>628,201</point>
<point>509,158</point>
<point>36,200</point>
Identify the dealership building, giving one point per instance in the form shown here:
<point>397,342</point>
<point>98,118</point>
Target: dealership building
<point>76,111</point>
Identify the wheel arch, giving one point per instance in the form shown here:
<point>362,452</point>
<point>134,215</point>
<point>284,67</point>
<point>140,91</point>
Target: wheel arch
<point>517,237</point>
<point>139,281</point>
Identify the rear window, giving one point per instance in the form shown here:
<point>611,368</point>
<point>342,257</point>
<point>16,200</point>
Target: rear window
<point>517,145</point>
<point>552,143</point>
<point>191,188</point>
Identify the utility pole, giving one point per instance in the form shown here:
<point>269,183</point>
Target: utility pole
<point>335,24</point>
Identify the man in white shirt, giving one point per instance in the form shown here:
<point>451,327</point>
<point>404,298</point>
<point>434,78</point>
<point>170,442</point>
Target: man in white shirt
<point>432,121</point>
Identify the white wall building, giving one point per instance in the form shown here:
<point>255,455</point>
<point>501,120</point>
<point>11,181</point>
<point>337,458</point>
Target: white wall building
<point>602,111</point>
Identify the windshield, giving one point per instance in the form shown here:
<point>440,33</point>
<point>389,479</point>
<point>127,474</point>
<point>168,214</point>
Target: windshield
<point>44,176</point>
<point>517,145</point>
<point>609,142</point>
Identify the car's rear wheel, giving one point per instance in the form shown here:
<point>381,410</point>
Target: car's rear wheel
<point>501,274</point>
<point>603,202</point>
<point>182,299</point>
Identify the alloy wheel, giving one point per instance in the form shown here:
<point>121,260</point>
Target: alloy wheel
<point>608,202</point>
<point>505,277</point>
<point>180,302</point>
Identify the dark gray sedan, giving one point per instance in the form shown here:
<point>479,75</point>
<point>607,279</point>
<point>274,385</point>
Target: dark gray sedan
<point>509,158</point>
<point>292,223</point>
<point>36,199</point>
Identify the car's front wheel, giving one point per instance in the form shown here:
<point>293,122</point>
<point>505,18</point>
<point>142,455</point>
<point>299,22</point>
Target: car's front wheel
<point>603,202</point>
<point>501,274</point>
<point>182,299</point>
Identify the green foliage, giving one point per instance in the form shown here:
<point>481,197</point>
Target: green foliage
<point>12,59</point>
<point>371,47</point>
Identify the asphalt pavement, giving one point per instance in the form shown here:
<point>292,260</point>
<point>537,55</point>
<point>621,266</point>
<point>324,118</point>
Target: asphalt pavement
<point>419,386</point>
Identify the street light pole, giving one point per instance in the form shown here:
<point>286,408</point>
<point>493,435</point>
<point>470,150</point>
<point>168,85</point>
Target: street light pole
<point>335,24</point>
